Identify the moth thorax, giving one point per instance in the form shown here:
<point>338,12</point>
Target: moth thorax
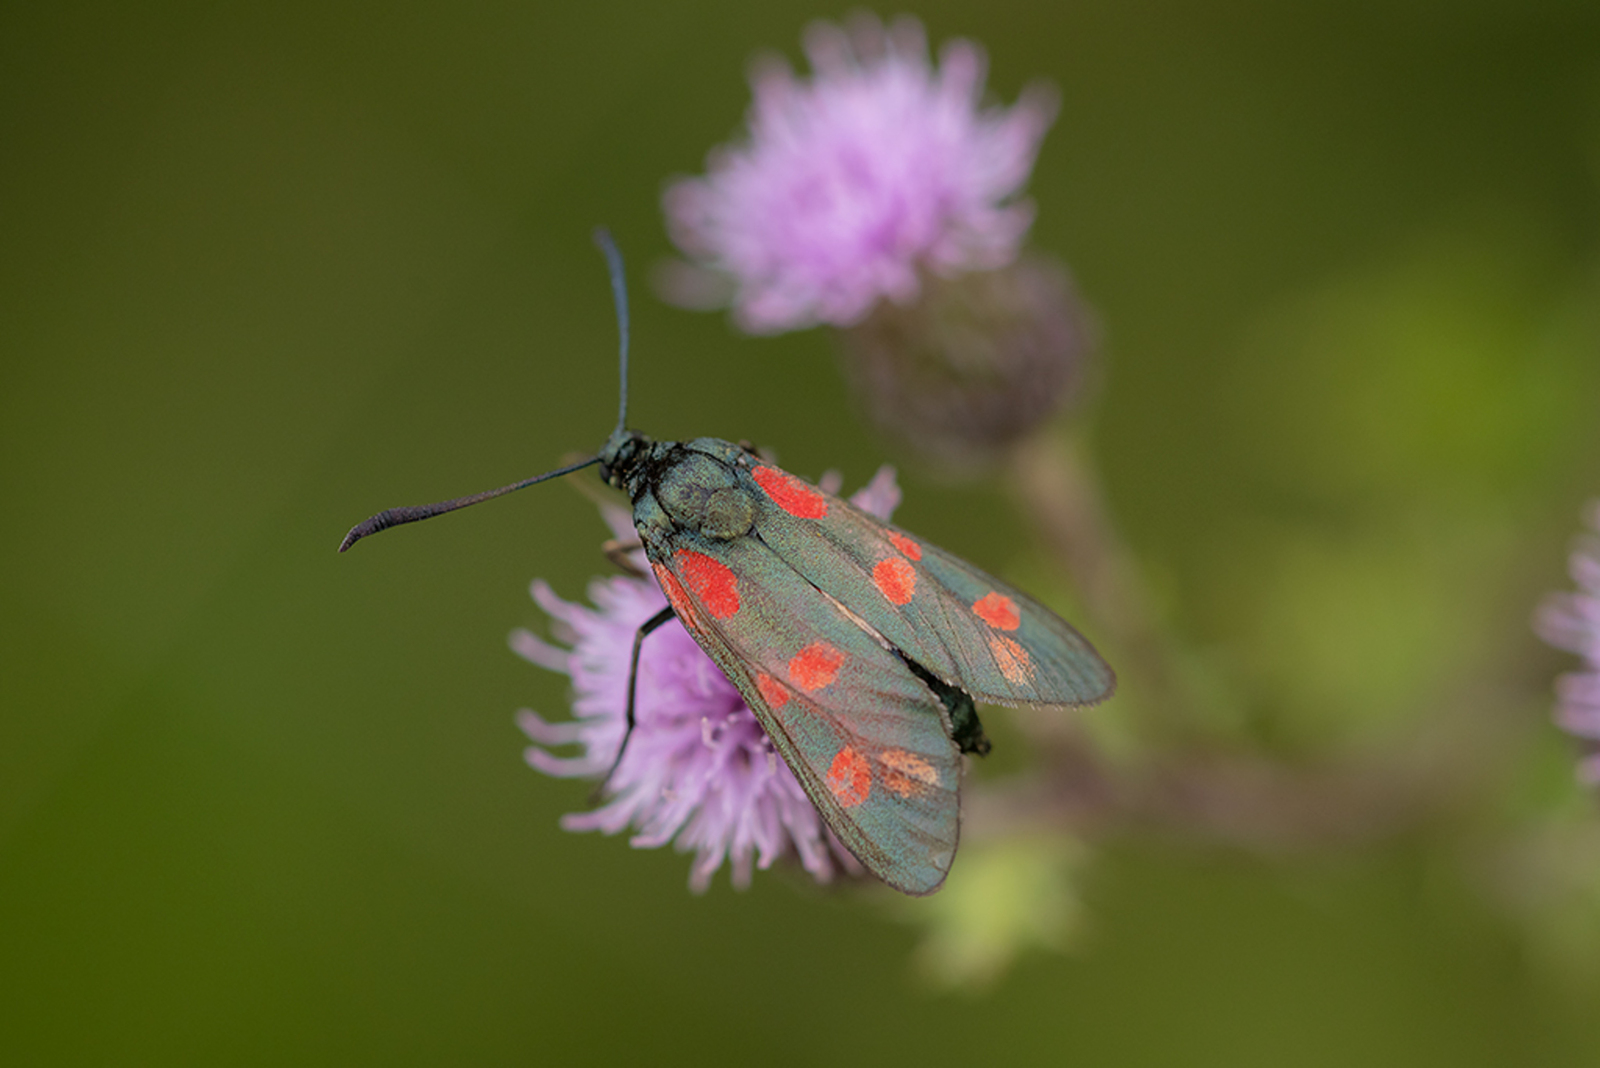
<point>699,493</point>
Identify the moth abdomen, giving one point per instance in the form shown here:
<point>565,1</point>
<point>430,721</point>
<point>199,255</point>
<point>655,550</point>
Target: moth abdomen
<point>965,729</point>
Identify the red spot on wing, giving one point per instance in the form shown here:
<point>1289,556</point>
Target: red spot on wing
<point>815,666</point>
<point>895,579</point>
<point>790,494</point>
<point>712,582</point>
<point>997,610</point>
<point>905,545</point>
<point>677,596</point>
<point>849,778</point>
<point>773,692</point>
<point>1012,660</point>
<point>907,773</point>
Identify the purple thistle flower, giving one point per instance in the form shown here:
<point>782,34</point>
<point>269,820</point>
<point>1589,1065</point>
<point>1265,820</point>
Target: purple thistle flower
<point>1571,621</point>
<point>699,770</point>
<point>851,182</point>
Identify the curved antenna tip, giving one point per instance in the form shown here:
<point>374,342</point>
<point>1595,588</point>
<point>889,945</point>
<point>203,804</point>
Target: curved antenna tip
<point>357,532</point>
<point>619,294</point>
<point>393,517</point>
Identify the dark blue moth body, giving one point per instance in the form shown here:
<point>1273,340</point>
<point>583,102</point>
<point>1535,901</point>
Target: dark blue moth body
<point>860,648</point>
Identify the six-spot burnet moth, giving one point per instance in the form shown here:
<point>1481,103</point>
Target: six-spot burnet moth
<point>859,647</point>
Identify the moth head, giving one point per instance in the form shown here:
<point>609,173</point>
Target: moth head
<point>620,456</point>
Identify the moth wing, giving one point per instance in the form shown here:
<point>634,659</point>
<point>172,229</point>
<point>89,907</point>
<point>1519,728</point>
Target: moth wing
<point>965,626</point>
<point>1034,657</point>
<point>867,740</point>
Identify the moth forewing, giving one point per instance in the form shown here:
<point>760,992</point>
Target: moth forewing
<point>868,740</point>
<point>970,629</point>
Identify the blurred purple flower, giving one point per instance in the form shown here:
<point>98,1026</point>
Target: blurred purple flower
<point>699,770</point>
<point>1571,621</point>
<point>851,182</point>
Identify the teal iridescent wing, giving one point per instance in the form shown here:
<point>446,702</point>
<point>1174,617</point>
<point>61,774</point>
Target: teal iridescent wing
<point>869,741</point>
<point>968,628</point>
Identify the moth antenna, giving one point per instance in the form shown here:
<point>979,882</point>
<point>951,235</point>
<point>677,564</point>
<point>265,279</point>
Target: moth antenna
<point>394,517</point>
<point>619,292</point>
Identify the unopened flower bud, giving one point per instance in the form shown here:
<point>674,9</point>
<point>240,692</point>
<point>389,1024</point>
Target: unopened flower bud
<point>976,363</point>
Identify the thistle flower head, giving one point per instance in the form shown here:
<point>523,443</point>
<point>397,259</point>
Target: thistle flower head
<point>698,771</point>
<point>1571,621</point>
<point>879,166</point>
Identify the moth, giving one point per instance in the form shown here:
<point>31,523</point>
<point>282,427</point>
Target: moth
<point>861,648</point>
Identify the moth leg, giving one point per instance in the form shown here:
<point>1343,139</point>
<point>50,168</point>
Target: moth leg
<point>617,552</point>
<point>650,625</point>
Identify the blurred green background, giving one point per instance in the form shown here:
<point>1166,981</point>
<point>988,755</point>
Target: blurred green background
<point>269,268</point>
